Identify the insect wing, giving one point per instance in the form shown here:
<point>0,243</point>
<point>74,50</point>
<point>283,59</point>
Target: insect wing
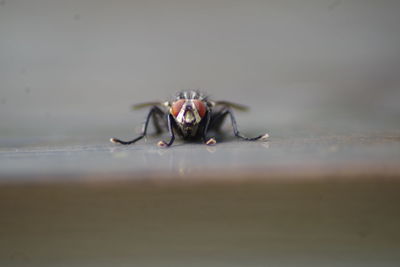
<point>146,104</point>
<point>236,106</point>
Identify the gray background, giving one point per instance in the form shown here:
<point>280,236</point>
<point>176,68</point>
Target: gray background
<point>322,77</point>
<point>71,69</point>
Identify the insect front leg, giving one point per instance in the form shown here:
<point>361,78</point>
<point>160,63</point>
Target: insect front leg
<point>154,110</point>
<point>236,131</point>
<point>170,120</point>
<point>206,140</point>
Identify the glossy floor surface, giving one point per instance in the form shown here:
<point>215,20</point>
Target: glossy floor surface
<point>321,154</point>
<point>321,200</point>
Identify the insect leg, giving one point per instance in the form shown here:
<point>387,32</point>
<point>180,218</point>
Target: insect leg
<point>156,124</point>
<point>236,131</point>
<point>217,120</point>
<point>207,141</point>
<point>151,114</point>
<point>171,132</point>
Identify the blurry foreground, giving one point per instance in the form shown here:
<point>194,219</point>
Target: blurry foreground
<point>281,222</point>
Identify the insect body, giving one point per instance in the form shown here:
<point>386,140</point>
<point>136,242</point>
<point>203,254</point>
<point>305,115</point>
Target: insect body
<point>191,115</point>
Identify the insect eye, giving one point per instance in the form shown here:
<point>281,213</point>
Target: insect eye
<point>201,108</point>
<point>176,107</point>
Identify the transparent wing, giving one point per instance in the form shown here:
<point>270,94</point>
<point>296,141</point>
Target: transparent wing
<point>147,104</point>
<point>236,106</point>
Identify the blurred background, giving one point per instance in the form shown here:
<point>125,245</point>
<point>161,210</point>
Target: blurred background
<point>72,69</point>
<point>322,77</point>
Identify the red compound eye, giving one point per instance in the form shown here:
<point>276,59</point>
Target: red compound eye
<point>201,107</point>
<point>176,107</point>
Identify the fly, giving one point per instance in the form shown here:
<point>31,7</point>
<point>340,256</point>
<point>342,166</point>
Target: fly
<point>191,115</point>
